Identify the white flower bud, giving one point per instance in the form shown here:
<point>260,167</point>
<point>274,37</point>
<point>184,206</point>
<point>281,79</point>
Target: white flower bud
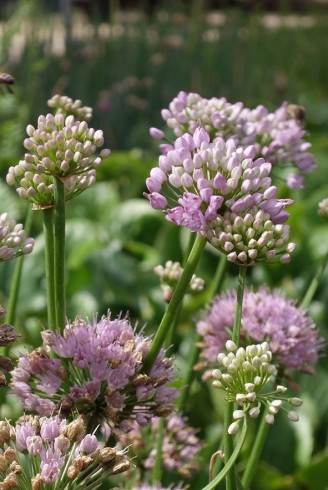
<point>254,412</point>
<point>297,402</point>
<point>238,414</point>
<point>293,416</point>
<point>269,418</point>
<point>230,346</point>
<point>233,428</point>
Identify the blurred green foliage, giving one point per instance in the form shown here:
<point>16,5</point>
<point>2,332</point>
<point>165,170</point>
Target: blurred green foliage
<point>128,70</point>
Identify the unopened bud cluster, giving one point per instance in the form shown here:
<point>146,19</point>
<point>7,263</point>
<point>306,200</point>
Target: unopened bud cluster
<point>170,274</point>
<point>245,375</point>
<point>54,452</point>
<point>61,104</point>
<point>58,147</point>
<point>13,240</point>
<point>323,208</point>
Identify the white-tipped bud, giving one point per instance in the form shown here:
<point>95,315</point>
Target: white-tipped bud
<point>258,380</point>
<point>247,366</point>
<point>276,403</point>
<point>254,412</point>
<point>240,398</point>
<point>281,389</point>
<point>256,362</point>
<point>220,357</point>
<point>251,397</point>
<point>269,418</point>
<point>252,350</point>
<point>233,428</point>
<point>296,402</point>
<point>293,416</point>
<point>238,414</point>
<point>230,346</point>
<point>227,378</point>
<point>250,387</point>
<point>216,373</point>
<point>217,384</point>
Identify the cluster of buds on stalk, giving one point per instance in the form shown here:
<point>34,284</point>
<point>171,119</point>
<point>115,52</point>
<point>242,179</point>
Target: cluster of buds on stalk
<point>60,147</point>
<point>13,240</point>
<point>7,336</point>
<point>61,104</point>
<point>170,274</point>
<point>245,375</point>
<point>323,208</point>
<point>40,451</point>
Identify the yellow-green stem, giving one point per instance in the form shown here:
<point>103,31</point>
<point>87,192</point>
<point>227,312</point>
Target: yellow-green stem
<point>48,231</point>
<point>59,253</point>
<point>256,451</point>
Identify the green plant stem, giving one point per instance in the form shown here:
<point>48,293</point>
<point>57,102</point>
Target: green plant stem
<point>314,283</point>
<point>187,380</point>
<point>48,231</point>
<point>256,451</point>
<point>15,283</point>
<point>217,280</point>
<point>175,302</point>
<point>59,253</point>
<point>231,483</point>
<point>158,467</point>
<point>231,461</point>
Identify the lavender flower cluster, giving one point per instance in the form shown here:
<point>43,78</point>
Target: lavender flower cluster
<point>55,452</point>
<point>225,194</point>
<point>292,335</point>
<point>96,368</point>
<point>61,147</point>
<point>13,240</point>
<point>180,445</point>
<point>277,136</point>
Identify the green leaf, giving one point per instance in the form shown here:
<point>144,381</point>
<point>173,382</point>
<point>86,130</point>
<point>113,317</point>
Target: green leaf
<point>315,475</point>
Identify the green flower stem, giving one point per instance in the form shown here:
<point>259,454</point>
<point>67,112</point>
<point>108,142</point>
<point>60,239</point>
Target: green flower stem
<point>216,283</point>
<point>256,451</point>
<point>48,230</point>
<point>158,467</point>
<point>231,483</point>
<point>231,461</point>
<point>314,283</point>
<point>175,302</point>
<point>15,283</point>
<point>59,253</point>
<point>187,380</point>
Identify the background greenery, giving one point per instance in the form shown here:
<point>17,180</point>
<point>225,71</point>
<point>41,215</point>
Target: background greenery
<point>129,65</point>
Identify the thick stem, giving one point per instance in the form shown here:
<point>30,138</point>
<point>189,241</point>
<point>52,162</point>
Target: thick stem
<point>48,231</point>
<point>231,461</point>
<point>231,483</point>
<point>15,283</point>
<point>158,467</point>
<point>256,451</point>
<point>314,283</point>
<point>59,249</point>
<point>175,302</point>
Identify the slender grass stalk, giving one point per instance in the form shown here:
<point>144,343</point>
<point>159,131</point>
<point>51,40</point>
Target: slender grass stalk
<point>231,461</point>
<point>15,283</point>
<point>158,466</point>
<point>48,231</point>
<point>231,482</point>
<point>59,253</point>
<point>314,283</point>
<point>255,454</point>
<point>175,302</point>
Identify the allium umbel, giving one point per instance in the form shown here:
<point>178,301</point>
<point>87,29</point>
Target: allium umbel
<point>96,369</point>
<point>41,451</point>
<point>13,240</point>
<point>61,104</point>
<point>59,147</point>
<point>225,194</point>
<point>180,445</point>
<point>170,275</point>
<point>293,338</point>
<point>277,136</point>
<point>244,375</point>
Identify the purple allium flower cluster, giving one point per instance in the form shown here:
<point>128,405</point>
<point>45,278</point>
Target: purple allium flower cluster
<point>225,194</point>
<point>13,240</point>
<point>54,452</point>
<point>278,136</point>
<point>96,369</point>
<point>180,445</point>
<point>58,147</point>
<point>292,336</point>
<point>61,104</point>
<point>245,375</point>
